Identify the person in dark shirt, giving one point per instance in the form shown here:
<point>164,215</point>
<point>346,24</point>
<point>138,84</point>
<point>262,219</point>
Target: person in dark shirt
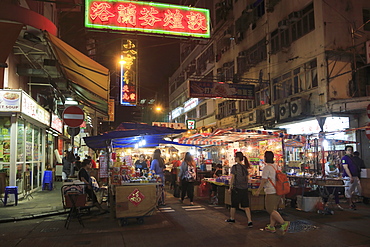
<point>350,174</point>
<point>239,188</point>
<point>217,174</point>
<point>359,162</point>
<point>84,176</point>
<point>141,164</point>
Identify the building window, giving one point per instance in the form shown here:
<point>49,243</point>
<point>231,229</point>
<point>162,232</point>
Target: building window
<point>299,24</point>
<point>226,108</point>
<point>192,114</point>
<point>245,105</point>
<point>251,57</point>
<point>295,81</point>
<point>262,96</point>
<point>203,110</point>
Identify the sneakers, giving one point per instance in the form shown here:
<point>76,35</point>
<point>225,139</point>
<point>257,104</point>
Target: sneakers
<point>191,203</point>
<point>181,201</point>
<point>285,226</point>
<point>250,224</point>
<point>353,206</point>
<point>269,228</point>
<point>339,207</point>
<point>230,221</point>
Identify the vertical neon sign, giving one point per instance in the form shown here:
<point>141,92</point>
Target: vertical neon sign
<point>128,73</point>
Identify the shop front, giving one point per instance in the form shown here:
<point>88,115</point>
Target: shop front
<point>23,140</point>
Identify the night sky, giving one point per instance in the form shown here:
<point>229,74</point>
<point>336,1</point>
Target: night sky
<point>158,56</point>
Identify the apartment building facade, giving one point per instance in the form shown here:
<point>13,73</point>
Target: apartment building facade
<point>305,58</point>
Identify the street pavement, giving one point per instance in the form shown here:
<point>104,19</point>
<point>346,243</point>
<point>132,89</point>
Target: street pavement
<point>39,221</point>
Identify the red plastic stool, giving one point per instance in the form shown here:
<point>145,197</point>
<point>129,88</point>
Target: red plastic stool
<point>11,190</point>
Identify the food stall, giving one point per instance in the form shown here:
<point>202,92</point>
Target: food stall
<point>132,194</point>
<point>253,143</point>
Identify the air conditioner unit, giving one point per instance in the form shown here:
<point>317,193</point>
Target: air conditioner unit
<point>270,113</point>
<point>284,111</point>
<point>254,117</point>
<point>294,16</point>
<point>283,24</point>
<point>298,107</point>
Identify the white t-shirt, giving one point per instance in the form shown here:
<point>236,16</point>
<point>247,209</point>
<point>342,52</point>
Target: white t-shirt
<point>269,172</point>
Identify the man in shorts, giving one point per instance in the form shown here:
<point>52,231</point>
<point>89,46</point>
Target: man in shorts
<point>350,175</point>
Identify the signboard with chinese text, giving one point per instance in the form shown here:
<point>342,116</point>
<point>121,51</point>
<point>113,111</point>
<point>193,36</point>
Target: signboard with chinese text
<point>190,124</point>
<point>180,126</point>
<point>128,79</point>
<point>201,89</point>
<point>190,104</point>
<point>56,123</point>
<point>148,17</point>
<point>33,110</point>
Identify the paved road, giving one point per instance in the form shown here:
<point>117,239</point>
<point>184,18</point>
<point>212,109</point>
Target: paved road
<point>201,225</point>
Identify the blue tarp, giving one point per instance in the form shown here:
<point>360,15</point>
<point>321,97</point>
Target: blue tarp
<point>129,134</point>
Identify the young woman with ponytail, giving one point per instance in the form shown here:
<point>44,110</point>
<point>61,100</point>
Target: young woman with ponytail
<point>239,187</point>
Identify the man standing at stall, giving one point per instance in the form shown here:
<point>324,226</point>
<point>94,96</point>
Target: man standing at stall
<point>350,174</point>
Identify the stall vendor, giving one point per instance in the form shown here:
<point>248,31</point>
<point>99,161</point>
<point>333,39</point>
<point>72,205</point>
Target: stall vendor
<point>141,164</point>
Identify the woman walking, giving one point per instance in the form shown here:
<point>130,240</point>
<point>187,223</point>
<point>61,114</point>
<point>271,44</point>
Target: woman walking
<point>187,178</point>
<point>239,188</point>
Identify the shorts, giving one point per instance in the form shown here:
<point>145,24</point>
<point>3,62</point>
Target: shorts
<point>239,196</point>
<point>352,188</point>
<point>272,202</point>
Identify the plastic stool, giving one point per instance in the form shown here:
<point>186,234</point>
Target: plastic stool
<point>11,190</point>
<point>47,180</point>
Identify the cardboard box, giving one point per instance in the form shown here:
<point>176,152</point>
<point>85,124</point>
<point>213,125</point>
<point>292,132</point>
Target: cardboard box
<point>365,173</point>
<point>307,204</point>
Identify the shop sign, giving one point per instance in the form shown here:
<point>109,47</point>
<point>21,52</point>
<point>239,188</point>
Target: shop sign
<point>179,126</point>
<point>312,126</point>
<point>10,101</point>
<point>56,123</point>
<point>148,17</point>
<point>136,197</point>
<point>33,110</point>
<point>190,124</point>
<point>202,89</point>
<point>190,104</point>
<point>177,112</point>
<point>103,166</point>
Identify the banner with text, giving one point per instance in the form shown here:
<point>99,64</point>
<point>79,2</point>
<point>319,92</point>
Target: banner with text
<point>201,89</point>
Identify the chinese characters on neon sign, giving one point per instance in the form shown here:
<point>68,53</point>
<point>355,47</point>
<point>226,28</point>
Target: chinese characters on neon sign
<point>128,73</point>
<point>148,17</point>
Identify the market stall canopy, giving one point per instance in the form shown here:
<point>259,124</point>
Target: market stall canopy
<point>125,130</point>
<point>224,136</point>
<point>143,141</point>
<point>90,80</point>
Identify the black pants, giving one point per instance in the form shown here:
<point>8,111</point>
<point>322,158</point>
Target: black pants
<point>187,188</point>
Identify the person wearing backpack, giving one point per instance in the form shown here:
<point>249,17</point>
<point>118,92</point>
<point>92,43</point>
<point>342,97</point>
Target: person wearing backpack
<point>272,199</point>
<point>187,177</point>
<point>239,188</point>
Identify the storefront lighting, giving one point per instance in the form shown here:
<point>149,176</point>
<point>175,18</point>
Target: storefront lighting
<point>325,144</point>
<point>71,102</point>
<point>249,148</point>
<point>223,151</point>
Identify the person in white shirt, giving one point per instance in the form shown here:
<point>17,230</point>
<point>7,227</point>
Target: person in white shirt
<point>271,198</point>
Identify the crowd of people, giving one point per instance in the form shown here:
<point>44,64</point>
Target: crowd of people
<point>183,175</point>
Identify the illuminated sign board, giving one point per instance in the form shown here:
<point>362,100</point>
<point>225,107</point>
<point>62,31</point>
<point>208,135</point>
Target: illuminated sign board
<point>190,104</point>
<point>128,73</point>
<point>148,17</point>
<point>190,124</point>
<point>201,89</point>
<point>177,112</point>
